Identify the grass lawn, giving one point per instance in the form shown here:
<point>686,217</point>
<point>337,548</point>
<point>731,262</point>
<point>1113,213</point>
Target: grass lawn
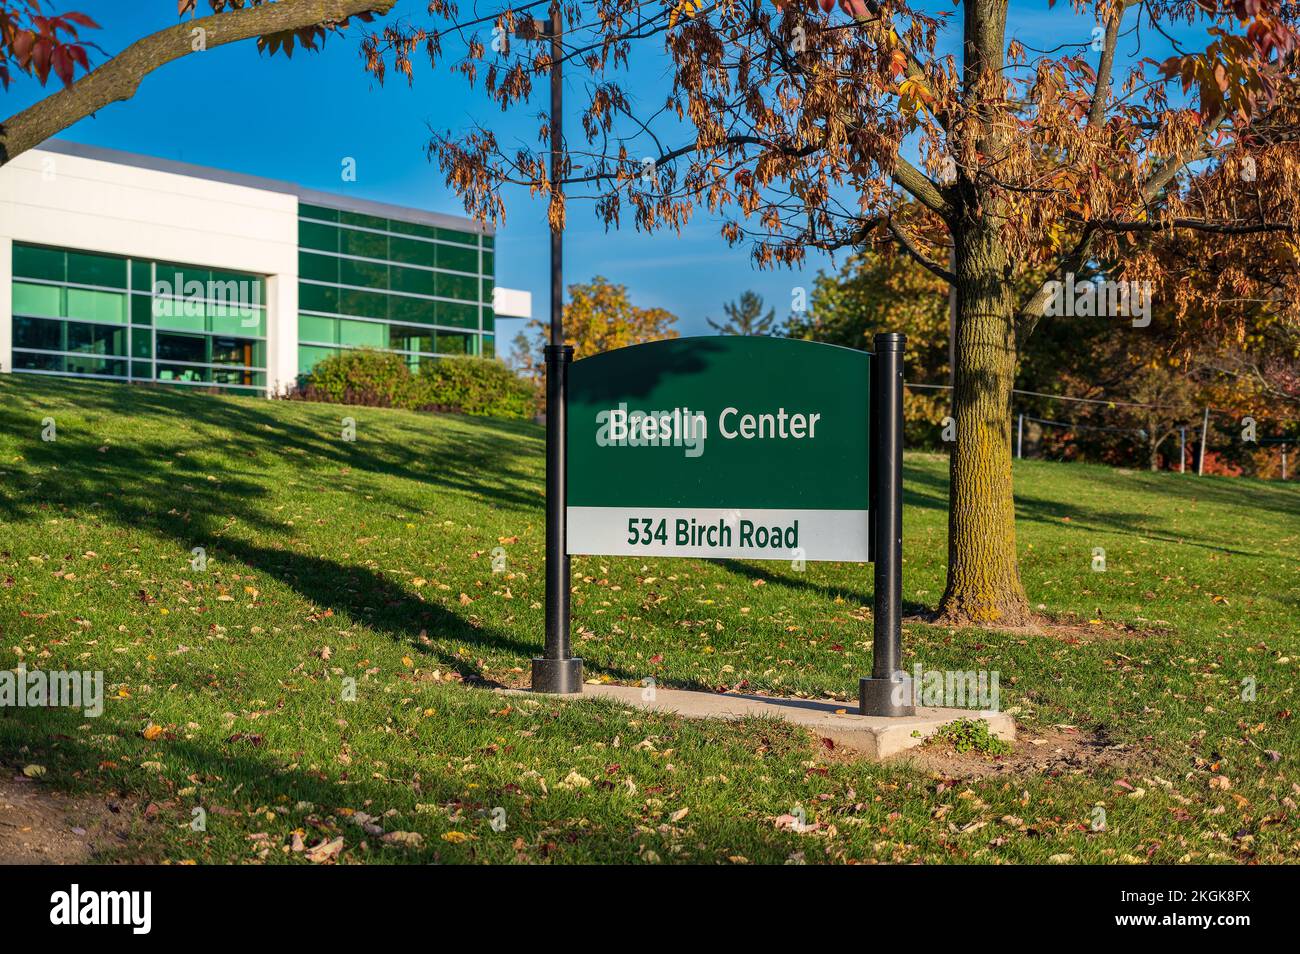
<point>372,561</point>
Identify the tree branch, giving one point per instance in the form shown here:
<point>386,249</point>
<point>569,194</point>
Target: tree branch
<point>119,78</point>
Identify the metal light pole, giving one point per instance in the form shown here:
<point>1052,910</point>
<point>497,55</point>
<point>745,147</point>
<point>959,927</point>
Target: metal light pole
<point>556,671</point>
<point>882,695</point>
<point>1205,430</point>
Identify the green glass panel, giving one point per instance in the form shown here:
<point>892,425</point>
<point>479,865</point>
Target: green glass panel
<point>489,264</point>
<point>412,252</point>
<point>241,351</point>
<point>34,261</point>
<point>96,339</point>
<point>38,362</point>
<point>141,343</point>
<point>141,310</point>
<point>489,319</point>
<point>313,328</point>
<point>181,373</point>
<point>97,305</point>
<point>458,259</point>
<point>457,286</point>
<point>86,268</point>
<point>142,370</point>
<point>419,310</point>
<point>229,376</point>
<point>458,316</point>
<point>39,300</point>
<point>232,320</point>
<point>365,274</point>
<point>489,347</point>
<point>318,297</point>
<point>324,237</point>
<point>409,338</point>
<point>85,364</point>
<point>309,356</point>
<point>366,244</point>
<point>318,212</point>
<point>173,347</point>
<point>141,275</point>
<point>489,241</point>
<point>363,304</point>
<point>321,268</point>
<point>453,235</point>
<point>453,342</point>
<point>412,228</point>
<point>363,220</point>
<point>487,291</point>
<point>415,281</point>
<point>176,318</point>
<point>40,333</point>
<point>363,334</point>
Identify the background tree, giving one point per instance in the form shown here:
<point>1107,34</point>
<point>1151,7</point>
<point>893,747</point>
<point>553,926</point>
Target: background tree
<point>39,43</point>
<point>745,317</point>
<point>599,316</point>
<point>791,123</point>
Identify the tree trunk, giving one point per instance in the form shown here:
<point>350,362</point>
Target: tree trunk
<point>983,573</point>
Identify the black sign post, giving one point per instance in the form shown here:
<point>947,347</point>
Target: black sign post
<point>886,694</point>
<point>556,671</point>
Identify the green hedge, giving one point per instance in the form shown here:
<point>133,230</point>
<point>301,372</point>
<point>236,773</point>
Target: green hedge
<point>479,386</point>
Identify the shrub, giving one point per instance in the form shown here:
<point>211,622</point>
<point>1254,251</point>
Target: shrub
<point>480,386</point>
<point>366,377</point>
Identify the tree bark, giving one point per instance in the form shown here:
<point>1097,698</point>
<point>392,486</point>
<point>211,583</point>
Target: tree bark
<point>983,571</point>
<point>119,78</point>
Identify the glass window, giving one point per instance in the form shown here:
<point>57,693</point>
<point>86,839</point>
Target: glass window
<point>96,339</point>
<point>458,259</point>
<point>363,220</point>
<point>141,310</point>
<point>240,351</point>
<point>234,320</point>
<point>88,365</point>
<point>419,310</point>
<point>415,281</point>
<point>366,244</point>
<point>39,333</point>
<point>489,347</point>
<point>489,319</point>
<point>488,266</point>
<point>321,268</point>
<point>27,361</point>
<point>318,298</point>
<point>182,347</point>
<point>34,261</point>
<point>324,237</point>
<point>363,304</point>
<point>453,342</point>
<point>141,344</point>
<point>182,315</point>
<point>97,305</point>
<point>142,370</point>
<point>453,235</point>
<point>487,291</point>
<point>318,212</point>
<point>178,373</point>
<point>412,228</point>
<point>458,316</point>
<point>313,328</point>
<point>86,268</point>
<point>367,334</point>
<point>365,274</point>
<point>309,356</point>
<point>409,338</point>
<point>488,241</point>
<point>40,300</point>
<point>457,286</point>
<point>412,252</point>
<point>141,275</point>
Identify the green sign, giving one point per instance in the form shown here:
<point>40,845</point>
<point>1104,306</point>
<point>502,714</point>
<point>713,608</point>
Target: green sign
<point>727,446</point>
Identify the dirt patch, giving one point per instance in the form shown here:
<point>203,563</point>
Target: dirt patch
<point>39,826</point>
<point>1062,750</point>
<point>1067,629</point>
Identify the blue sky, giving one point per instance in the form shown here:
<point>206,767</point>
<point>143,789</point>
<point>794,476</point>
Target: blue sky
<point>297,119</point>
